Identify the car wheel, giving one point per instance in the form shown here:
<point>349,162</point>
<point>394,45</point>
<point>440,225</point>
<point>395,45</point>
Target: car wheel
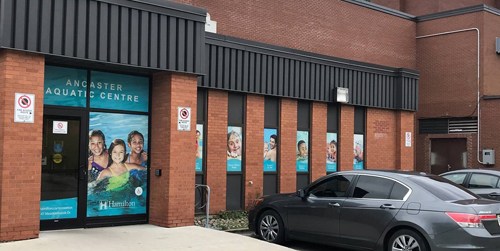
<point>271,227</point>
<point>407,240</point>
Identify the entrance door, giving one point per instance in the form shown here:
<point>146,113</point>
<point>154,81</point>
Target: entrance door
<point>448,155</point>
<point>64,169</point>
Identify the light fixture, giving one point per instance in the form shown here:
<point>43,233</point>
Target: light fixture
<point>342,94</point>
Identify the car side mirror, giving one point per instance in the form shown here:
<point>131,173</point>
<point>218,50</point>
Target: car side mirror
<point>301,193</point>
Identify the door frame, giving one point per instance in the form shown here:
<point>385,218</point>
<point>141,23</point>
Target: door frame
<point>80,220</point>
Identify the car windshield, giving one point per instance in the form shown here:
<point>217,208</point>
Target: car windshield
<point>443,188</point>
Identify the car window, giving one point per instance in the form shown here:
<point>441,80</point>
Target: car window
<point>478,180</point>
<point>398,192</point>
<point>443,188</point>
<point>456,177</point>
<point>370,187</point>
<point>333,187</point>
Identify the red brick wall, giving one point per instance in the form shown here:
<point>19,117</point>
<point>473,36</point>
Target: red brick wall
<point>405,159</point>
<point>318,140</point>
<point>448,67</point>
<point>448,80</point>
<point>216,149</point>
<point>287,146</point>
<point>21,147</point>
<point>172,194</point>
<point>334,28</point>
<point>424,7</point>
<point>381,139</point>
<point>346,138</point>
<point>393,4</point>
<point>490,61</point>
<point>254,150</point>
<point>490,135</point>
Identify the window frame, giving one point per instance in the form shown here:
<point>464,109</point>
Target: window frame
<point>485,174</point>
<point>347,192</point>
<point>464,182</point>
<point>355,183</point>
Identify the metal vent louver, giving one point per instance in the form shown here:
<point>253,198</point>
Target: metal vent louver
<point>448,125</point>
<point>465,125</point>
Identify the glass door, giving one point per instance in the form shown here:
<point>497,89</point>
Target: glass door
<point>64,172</point>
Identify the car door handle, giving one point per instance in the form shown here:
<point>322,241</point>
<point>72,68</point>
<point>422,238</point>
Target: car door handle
<point>387,206</point>
<point>332,204</point>
<point>494,194</point>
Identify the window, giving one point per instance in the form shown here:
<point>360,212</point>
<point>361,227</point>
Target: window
<point>483,181</point>
<point>398,192</point>
<point>369,187</point>
<point>333,187</point>
<point>443,188</point>
<point>456,178</point>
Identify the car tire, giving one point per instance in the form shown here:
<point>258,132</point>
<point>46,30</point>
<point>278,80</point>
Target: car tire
<point>271,228</point>
<point>408,240</point>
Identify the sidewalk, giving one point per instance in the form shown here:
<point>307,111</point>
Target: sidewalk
<point>141,237</point>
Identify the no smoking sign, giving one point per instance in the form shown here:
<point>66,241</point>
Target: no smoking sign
<point>184,119</point>
<point>24,110</point>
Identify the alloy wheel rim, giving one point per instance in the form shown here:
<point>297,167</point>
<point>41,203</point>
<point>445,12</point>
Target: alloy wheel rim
<point>269,228</point>
<point>405,243</point>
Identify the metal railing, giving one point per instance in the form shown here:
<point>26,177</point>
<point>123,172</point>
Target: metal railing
<point>199,187</point>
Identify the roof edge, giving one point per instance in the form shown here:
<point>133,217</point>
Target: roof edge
<point>457,12</point>
<point>240,43</point>
<point>383,9</point>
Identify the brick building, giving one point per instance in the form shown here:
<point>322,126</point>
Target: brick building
<point>457,59</point>
<point>87,81</point>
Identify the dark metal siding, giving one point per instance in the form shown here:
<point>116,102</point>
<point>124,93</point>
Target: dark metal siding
<point>156,34</point>
<point>240,65</point>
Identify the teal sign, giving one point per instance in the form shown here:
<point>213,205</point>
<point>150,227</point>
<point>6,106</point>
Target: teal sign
<point>119,92</point>
<point>331,152</point>
<point>58,209</point>
<point>65,86</point>
<point>270,149</point>
<point>302,151</point>
<point>68,87</point>
<point>234,148</point>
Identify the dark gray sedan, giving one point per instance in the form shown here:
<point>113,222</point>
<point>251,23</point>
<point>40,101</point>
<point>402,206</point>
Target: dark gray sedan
<point>483,182</point>
<point>381,210</point>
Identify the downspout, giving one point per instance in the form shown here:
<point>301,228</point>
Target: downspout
<point>478,91</point>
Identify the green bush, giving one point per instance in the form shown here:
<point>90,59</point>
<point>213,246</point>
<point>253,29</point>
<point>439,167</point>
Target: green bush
<point>232,215</point>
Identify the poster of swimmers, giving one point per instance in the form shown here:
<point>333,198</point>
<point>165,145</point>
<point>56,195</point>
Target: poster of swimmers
<point>234,148</point>
<point>270,149</point>
<point>302,151</point>
<point>199,148</point>
<point>331,152</point>
<point>117,164</point>
<point>358,151</point>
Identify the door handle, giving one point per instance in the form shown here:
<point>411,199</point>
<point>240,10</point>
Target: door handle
<point>387,206</point>
<point>494,194</point>
<point>82,172</point>
<point>332,204</point>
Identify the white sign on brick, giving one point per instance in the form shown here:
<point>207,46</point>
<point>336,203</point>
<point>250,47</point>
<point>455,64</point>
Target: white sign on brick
<point>408,139</point>
<point>184,118</point>
<point>24,108</point>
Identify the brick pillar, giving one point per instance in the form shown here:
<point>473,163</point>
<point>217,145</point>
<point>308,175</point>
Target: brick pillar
<point>216,149</point>
<point>21,146</point>
<point>346,139</point>
<point>405,122</point>
<point>380,139</point>
<point>318,140</point>
<point>172,151</point>
<point>288,146</point>
<point>254,152</point>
